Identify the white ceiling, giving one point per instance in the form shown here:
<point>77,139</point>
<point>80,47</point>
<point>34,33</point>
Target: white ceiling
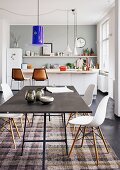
<point>89,12</point>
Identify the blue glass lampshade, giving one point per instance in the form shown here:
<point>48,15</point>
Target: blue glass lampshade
<point>38,38</point>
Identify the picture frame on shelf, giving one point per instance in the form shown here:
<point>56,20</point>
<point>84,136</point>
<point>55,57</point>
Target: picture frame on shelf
<point>47,49</point>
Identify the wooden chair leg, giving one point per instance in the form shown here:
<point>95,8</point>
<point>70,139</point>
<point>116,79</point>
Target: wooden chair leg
<point>16,128</point>
<point>95,146</point>
<point>75,115</point>
<point>28,120</point>
<point>11,130</point>
<point>21,123</point>
<point>84,130</point>
<point>74,141</point>
<point>71,114</point>
<point>102,137</point>
<point>32,120</point>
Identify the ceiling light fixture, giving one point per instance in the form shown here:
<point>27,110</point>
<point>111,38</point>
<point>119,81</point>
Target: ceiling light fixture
<point>38,37</point>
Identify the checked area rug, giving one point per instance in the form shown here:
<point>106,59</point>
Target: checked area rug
<point>56,158</point>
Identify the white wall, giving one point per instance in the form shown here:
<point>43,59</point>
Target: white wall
<point>4,44</point>
<point>117,58</point>
<point>111,77</point>
<point>55,34</point>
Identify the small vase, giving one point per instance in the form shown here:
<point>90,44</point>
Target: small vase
<point>30,96</point>
<point>39,94</point>
<point>15,44</point>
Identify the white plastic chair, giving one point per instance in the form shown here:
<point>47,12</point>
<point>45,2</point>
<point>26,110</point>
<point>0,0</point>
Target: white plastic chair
<point>88,98</point>
<point>7,94</point>
<point>92,122</point>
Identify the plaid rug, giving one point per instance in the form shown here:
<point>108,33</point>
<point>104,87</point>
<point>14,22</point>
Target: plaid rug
<point>56,158</point>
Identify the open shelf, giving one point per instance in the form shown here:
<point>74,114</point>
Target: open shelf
<point>58,56</point>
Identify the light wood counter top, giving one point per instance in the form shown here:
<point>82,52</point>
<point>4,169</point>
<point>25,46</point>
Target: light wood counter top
<point>68,71</point>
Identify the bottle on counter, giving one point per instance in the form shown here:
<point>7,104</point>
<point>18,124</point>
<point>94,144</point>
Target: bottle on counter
<point>79,63</point>
<point>92,52</point>
<point>91,64</point>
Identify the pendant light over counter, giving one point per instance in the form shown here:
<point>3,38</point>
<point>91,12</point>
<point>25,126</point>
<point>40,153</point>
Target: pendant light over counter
<point>38,31</point>
<point>68,50</point>
<point>75,32</point>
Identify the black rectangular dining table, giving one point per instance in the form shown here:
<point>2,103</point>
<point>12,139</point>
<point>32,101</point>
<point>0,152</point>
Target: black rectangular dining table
<point>68,102</point>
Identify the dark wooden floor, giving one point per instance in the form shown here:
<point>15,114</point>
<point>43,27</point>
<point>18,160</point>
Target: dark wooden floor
<point>111,125</point>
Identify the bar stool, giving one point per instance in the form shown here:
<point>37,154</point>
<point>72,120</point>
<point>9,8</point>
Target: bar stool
<point>39,74</point>
<point>17,75</point>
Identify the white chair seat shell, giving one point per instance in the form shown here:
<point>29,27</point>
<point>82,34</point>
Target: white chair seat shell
<point>82,120</point>
<point>93,121</point>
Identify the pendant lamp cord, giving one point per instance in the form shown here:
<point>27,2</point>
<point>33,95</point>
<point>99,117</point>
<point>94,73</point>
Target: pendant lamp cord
<point>75,24</point>
<point>73,11</point>
<point>38,12</point>
<point>67,28</point>
<point>74,28</point>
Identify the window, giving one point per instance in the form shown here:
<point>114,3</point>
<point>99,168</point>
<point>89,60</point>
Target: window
<point>105,46</point>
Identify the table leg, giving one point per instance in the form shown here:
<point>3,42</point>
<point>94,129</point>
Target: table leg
<point>62,117</point>
<point>44,142</point>
<point>49,116</point>
<point>65,135</point>
<point>24,134</point>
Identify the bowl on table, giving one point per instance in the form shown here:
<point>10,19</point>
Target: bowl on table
<point>46,99</point>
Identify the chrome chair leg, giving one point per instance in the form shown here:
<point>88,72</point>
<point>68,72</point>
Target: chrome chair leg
<point>11,83</point>
<point>30,81</point>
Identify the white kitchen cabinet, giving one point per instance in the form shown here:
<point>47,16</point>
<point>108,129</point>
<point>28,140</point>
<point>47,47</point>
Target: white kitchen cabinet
<point>59,79</point>
<point>79,81</point>
<point>103,83</point>
<point>82,81</point>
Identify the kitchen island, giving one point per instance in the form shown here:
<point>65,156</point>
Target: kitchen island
<point>72,77</point>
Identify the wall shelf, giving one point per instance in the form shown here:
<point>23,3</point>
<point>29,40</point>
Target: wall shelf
<point>59,56</point>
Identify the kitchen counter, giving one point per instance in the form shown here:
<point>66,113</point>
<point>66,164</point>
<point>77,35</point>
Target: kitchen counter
<point>54,71</point>
<point>72,77</point>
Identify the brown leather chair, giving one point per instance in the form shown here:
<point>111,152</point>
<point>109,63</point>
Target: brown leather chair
<point>40,74</point>
<point>17,75</point>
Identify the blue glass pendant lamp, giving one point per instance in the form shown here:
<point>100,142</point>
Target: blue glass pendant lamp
<point>38,31</point>
<point>38,38</point>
